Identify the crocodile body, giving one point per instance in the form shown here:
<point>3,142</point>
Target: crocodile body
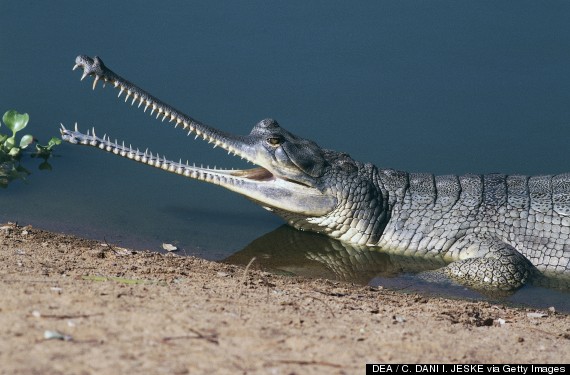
<point>494,231</point>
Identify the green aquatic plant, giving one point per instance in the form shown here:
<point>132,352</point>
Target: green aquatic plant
<point>46,150</point>
<point>15,122</point>
<point>11,148</point>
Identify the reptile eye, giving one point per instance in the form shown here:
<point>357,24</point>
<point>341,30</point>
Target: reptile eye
<point>274,141</point>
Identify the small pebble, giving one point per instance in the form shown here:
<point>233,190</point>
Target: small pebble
<point>398,319</point>
<point>536,315</point>
<point>169,247</point>
<point>551,310</point>
<point>55,335</point>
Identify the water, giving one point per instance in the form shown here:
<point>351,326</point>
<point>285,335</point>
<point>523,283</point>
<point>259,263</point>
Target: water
<point>442,87</point>
<point>291,252</point>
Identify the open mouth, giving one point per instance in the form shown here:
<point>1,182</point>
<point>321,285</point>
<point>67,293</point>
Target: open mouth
<point>95,67</point>
<point>258,183</point>
<point>258,174</point>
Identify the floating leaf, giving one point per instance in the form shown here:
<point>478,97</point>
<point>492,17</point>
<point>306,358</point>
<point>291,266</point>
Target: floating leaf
<point>26,141</point>
<point>54,141</point>
<point>15,121</point>
<point>9,143</point>
<point>14,151</point>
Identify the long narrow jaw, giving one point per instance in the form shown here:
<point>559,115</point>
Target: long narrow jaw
<point>263,184</point>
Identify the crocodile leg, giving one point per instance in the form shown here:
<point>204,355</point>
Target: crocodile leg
<point>486,262</point>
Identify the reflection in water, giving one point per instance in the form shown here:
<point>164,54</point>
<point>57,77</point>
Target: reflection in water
<point>11,169</point>
<point>312,255</point>
<point>290,251</point>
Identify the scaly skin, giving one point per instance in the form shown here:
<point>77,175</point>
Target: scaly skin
<point>496,231</point>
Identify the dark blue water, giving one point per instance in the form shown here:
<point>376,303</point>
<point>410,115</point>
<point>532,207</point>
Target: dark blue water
<point>440,86</point>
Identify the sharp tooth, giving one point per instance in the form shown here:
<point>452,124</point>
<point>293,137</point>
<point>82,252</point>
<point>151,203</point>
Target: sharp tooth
<point>83,75</point>
<point>141,100</point>
<point>116,84</point>
<point>153,109</point>
<point>75,66</point>
<point>76,127</point>
<point>196,137</point>
<point>129,93</point>
<point>62,127</point>
<point>135,97</point>
<point>164,117</point>
<point>95,81</point>
<point>93,133</point>
<point>146,107</point>
<point>121,91</point>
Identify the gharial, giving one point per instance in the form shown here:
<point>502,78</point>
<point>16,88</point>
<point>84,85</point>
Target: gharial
<point>495,231</point>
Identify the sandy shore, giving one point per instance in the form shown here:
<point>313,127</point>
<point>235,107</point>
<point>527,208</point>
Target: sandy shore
<point>76,306</point>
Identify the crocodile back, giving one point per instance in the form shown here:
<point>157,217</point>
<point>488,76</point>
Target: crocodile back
<point>532,214</point>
